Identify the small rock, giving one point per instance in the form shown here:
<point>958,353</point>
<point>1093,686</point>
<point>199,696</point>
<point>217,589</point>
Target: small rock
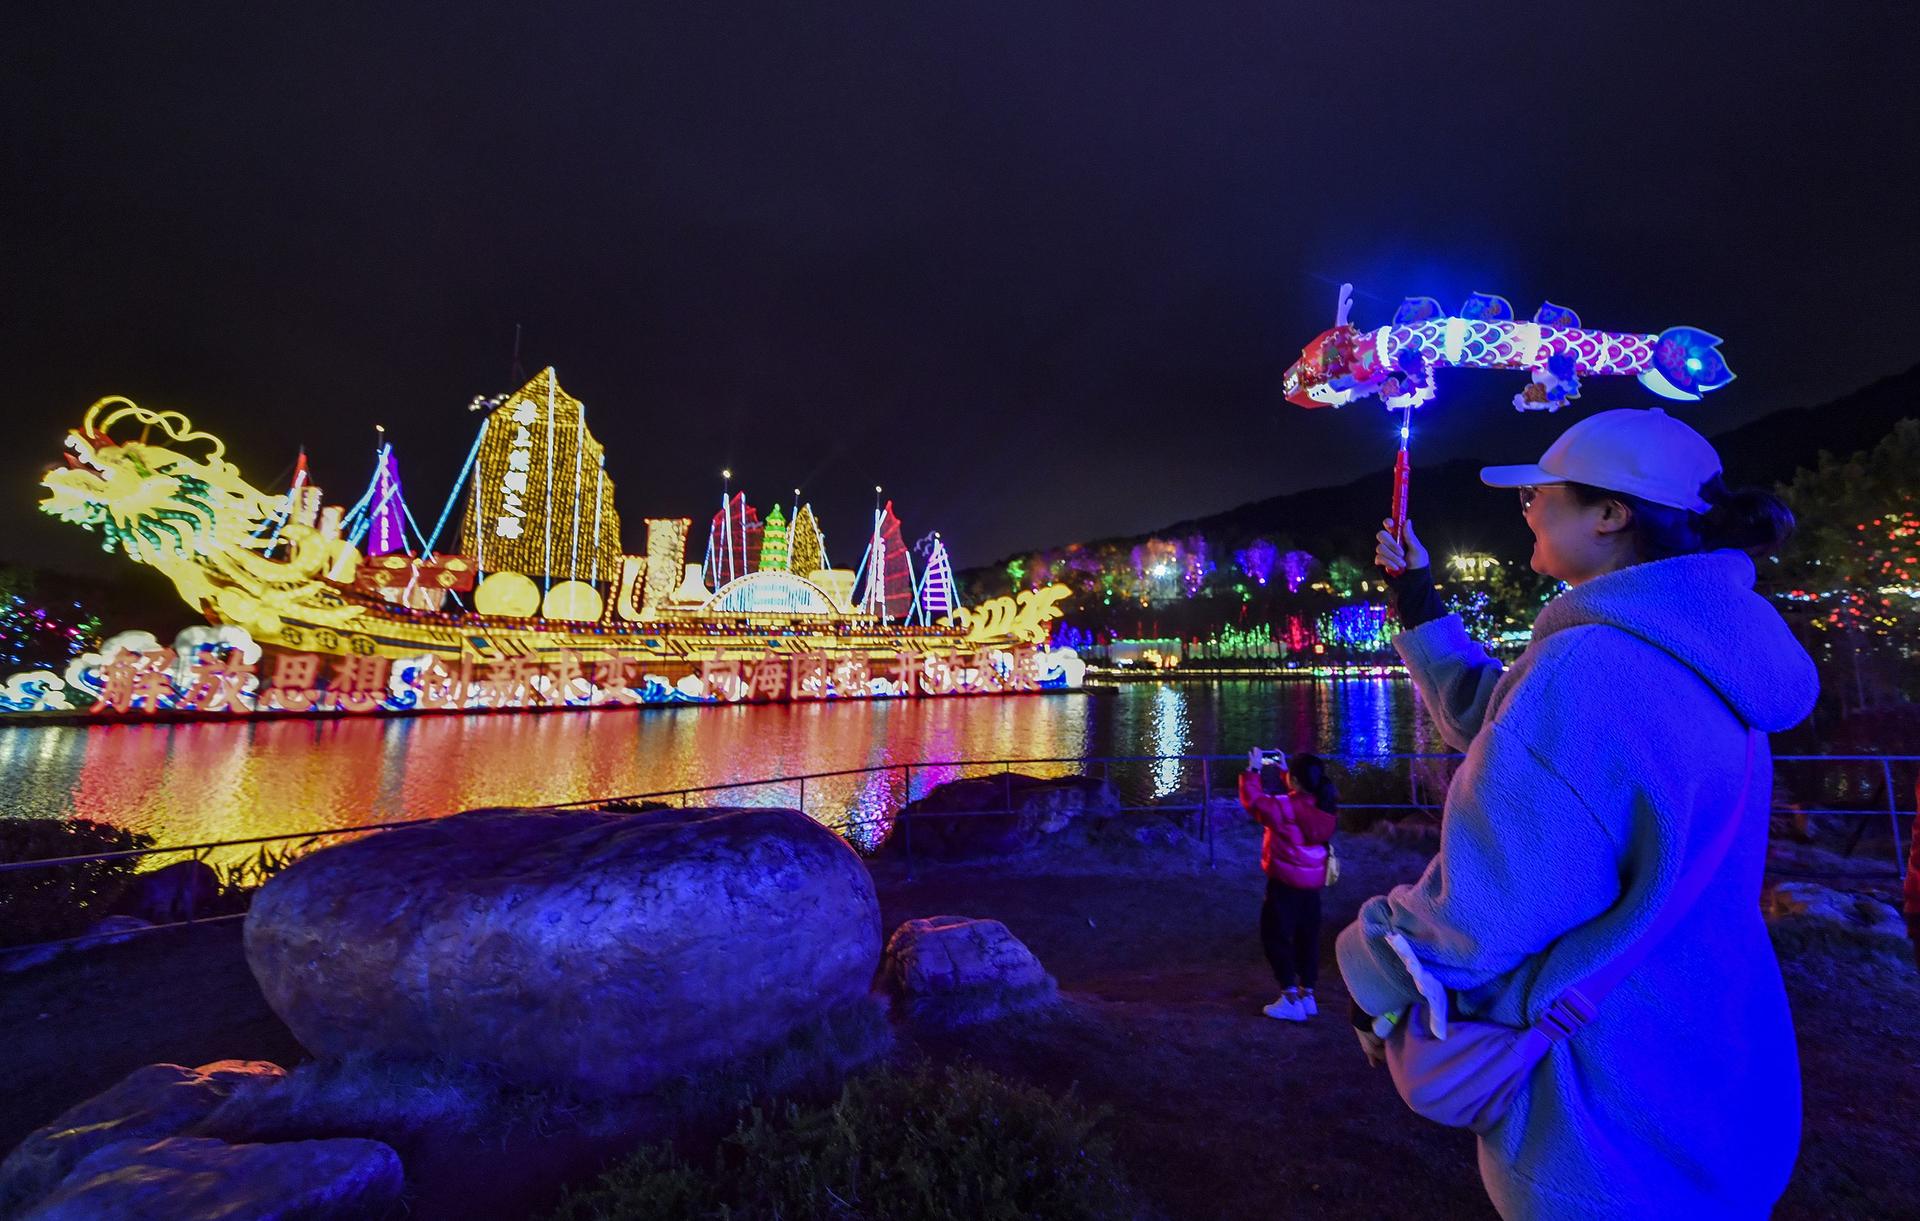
<point>954,970</point>
<point>1226,813</point>
<point>179,891</point>
<point>1788,900</point>
<point>999,815</point>
<point>1156,831</point>
<point>306,1180</point>
<point>156,1101</point>
<point>111,931</point>
<point>1413,834</point>
<point>26,958</point>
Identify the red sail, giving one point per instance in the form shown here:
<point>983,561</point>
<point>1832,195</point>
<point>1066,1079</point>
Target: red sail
<point>889,587</point>
<point>733,546</point>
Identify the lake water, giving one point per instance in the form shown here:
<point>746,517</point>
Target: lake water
<point>204,781</point>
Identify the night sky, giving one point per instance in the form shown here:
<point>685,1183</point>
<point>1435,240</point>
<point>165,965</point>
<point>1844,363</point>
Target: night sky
<point>1037,268</point>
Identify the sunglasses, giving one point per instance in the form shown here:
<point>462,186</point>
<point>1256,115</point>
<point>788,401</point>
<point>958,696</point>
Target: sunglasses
<point>1526,497</point>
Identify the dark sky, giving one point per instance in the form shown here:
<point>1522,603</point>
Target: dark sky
<point>1035,267</point>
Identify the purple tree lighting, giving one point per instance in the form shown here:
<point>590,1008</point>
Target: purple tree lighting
<point>1296,566</point>
<point>1257,560</point>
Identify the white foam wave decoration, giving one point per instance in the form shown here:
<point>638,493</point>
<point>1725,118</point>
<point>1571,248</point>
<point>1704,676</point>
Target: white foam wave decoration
<point>34,691</point>
<point>192,639</point>
<point>403,677</point>
<point>1064,663</point>
<point>125,642</point>
<point>189,641</point>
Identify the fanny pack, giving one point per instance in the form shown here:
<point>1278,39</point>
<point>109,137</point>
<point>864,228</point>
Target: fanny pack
<point>1466,1074</point>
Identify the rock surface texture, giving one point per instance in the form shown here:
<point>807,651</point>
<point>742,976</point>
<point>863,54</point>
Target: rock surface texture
<point>956,970</point>
<point>303,1180</point>
<point>602,954</point>
<point>999,815</point>
<point>157,1101</point>
<point>1788,901</point>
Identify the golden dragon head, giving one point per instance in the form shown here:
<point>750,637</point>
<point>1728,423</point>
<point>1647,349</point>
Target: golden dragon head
<point>161,491</point>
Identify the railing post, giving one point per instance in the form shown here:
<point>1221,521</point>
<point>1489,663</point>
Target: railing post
<point>1206,803</point>
<point>906,837</point>
<point>803,794</point>
<point>1893,820</point>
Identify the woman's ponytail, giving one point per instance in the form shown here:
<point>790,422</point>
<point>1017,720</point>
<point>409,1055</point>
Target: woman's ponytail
<point>1746,519</point>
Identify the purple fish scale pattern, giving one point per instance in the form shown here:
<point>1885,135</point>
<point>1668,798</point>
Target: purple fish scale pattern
<point>1501,345</point>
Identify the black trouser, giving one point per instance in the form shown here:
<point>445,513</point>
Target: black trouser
<point>1290,933</point>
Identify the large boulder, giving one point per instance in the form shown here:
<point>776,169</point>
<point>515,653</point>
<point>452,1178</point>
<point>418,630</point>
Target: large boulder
<point>602,954</point>
<point>999,815</point>
<point>955,970</point>
<point>149,1103</point>
<point>306,1180</point>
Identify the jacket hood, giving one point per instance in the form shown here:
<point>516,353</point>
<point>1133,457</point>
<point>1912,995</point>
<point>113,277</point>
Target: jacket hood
<point>1703,610</point>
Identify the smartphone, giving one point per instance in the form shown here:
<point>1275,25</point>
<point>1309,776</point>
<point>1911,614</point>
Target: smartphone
<point>1274,758</point>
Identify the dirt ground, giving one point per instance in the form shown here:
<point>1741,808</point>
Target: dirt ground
<point>1217,1110</point>
<point>1222,1112</point>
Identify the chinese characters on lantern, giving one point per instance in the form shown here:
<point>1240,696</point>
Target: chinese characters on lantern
<point>513,485</point>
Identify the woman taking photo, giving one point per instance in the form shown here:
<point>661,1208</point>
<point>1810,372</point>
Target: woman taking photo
<point>1296,805</point>
<point>1614,768</point>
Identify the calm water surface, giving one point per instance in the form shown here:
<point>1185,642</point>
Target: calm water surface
<point>209,781</point>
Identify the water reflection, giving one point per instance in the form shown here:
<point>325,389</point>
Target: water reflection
<point>1169,736</point>
<point>209,781</point>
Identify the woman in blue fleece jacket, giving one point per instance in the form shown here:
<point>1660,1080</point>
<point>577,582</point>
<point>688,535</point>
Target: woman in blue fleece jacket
<point>1596,768</point>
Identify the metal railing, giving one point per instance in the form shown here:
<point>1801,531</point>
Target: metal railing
<point>1167,798</point>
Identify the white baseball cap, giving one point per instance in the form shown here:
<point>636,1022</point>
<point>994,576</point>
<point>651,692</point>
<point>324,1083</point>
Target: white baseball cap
<point>1648,454</point>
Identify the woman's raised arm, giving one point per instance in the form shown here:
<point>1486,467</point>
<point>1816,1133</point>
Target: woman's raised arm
<point>1454,675</point>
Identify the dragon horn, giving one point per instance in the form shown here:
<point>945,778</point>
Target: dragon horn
<point>1343,306</point>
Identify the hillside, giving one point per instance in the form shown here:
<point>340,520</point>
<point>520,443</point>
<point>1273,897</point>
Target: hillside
<point>1331,521</point>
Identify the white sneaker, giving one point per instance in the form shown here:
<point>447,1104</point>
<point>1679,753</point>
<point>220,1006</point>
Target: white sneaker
<point>1308,1007</point>
<point>1286,1009</point>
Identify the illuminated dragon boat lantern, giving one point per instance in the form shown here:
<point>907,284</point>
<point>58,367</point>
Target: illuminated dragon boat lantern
<point>312,610</point>
<point>1395,362</point>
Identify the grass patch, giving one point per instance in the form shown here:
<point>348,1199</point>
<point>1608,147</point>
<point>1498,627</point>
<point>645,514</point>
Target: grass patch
<point>958,1145</point>
<point>814,1058</point>
<point>238,882</point>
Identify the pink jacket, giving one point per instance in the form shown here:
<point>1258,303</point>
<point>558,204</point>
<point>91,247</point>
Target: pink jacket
<point>1294,852</point>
